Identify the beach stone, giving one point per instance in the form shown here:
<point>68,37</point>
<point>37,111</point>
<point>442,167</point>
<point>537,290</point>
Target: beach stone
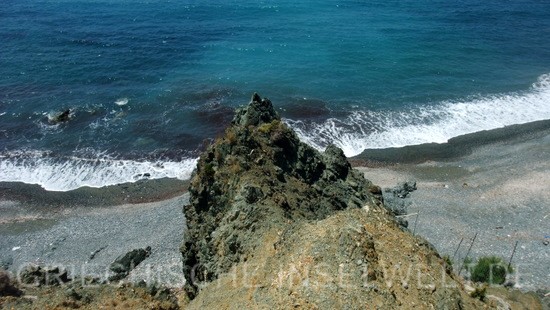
<point>127,262</point>
<point>37,275</point>
<point>7,287</point>
<point>397,200</point>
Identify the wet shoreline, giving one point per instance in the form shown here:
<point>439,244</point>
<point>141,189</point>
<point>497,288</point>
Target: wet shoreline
<point>455,148</point>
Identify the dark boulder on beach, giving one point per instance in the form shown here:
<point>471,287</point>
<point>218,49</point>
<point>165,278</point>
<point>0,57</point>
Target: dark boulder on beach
<point>397,200</point>
<point>7,285</point>
<point>127,262</point>
<point>36,275</point>
<point>273,223</point>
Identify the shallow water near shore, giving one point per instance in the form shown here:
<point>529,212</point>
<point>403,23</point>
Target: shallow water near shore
<point>148,83</point>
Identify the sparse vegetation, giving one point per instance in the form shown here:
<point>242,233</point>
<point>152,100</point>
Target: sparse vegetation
<point>269,127</point>
<point>490,269</point>
<point>231,136</point>
<point>480,292</point>
<point>448,264</point>
<point>209,170</point>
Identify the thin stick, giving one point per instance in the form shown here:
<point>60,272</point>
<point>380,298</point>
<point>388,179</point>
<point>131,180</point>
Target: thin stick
<point>512,256</point>
<point>458,247</point>
<point>467,253</point>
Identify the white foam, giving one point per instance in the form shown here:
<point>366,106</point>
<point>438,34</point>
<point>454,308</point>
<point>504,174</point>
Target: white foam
<point>430,123</point>
<point>73,172</point>
<point>121,101</point>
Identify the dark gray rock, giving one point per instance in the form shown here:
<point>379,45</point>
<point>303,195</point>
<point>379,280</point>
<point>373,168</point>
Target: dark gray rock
<point>7,286</point>
<point>336,162</point>
<point>62,117</point>
<point>251,193</point>
<point>397,200</point>
<point>127,262</point>
<point>39,276</point>
<point>73,294</point>
<point>258,112</point>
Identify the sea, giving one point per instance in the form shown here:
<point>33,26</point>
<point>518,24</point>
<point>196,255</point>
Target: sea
<point>150,83</point>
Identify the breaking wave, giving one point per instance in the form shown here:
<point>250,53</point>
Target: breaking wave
<point>68,173</point>
<point>429,123</point>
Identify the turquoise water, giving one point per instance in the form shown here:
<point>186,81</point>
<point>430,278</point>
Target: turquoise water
<point>150,82</point>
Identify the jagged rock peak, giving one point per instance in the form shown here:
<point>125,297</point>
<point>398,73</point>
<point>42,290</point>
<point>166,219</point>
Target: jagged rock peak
<point>257,112</point>
<point>256,181</point>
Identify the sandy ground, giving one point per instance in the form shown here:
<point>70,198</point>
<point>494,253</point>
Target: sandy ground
<point>500,191</point>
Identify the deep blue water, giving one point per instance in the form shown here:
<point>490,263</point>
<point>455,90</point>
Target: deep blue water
<point>359,74</point>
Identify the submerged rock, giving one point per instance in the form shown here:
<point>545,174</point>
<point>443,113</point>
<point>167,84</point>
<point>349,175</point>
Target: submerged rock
<point>61,117</point>
<point>273,223</point>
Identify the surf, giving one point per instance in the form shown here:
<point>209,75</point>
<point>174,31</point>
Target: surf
<point>364,129</point>
<point>71,172</point>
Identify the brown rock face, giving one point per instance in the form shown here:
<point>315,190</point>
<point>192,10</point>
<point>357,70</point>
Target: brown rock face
<point>272,223</point>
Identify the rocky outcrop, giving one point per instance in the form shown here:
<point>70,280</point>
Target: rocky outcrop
<point>397,200</point>
<point>259,177</point>
<point>273,223</point>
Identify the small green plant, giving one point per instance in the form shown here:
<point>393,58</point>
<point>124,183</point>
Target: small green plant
<point>448,263</point>
<point>480,292</point>
<point>490,269</point>
<point>209,170</point>
<point>269,127</point>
